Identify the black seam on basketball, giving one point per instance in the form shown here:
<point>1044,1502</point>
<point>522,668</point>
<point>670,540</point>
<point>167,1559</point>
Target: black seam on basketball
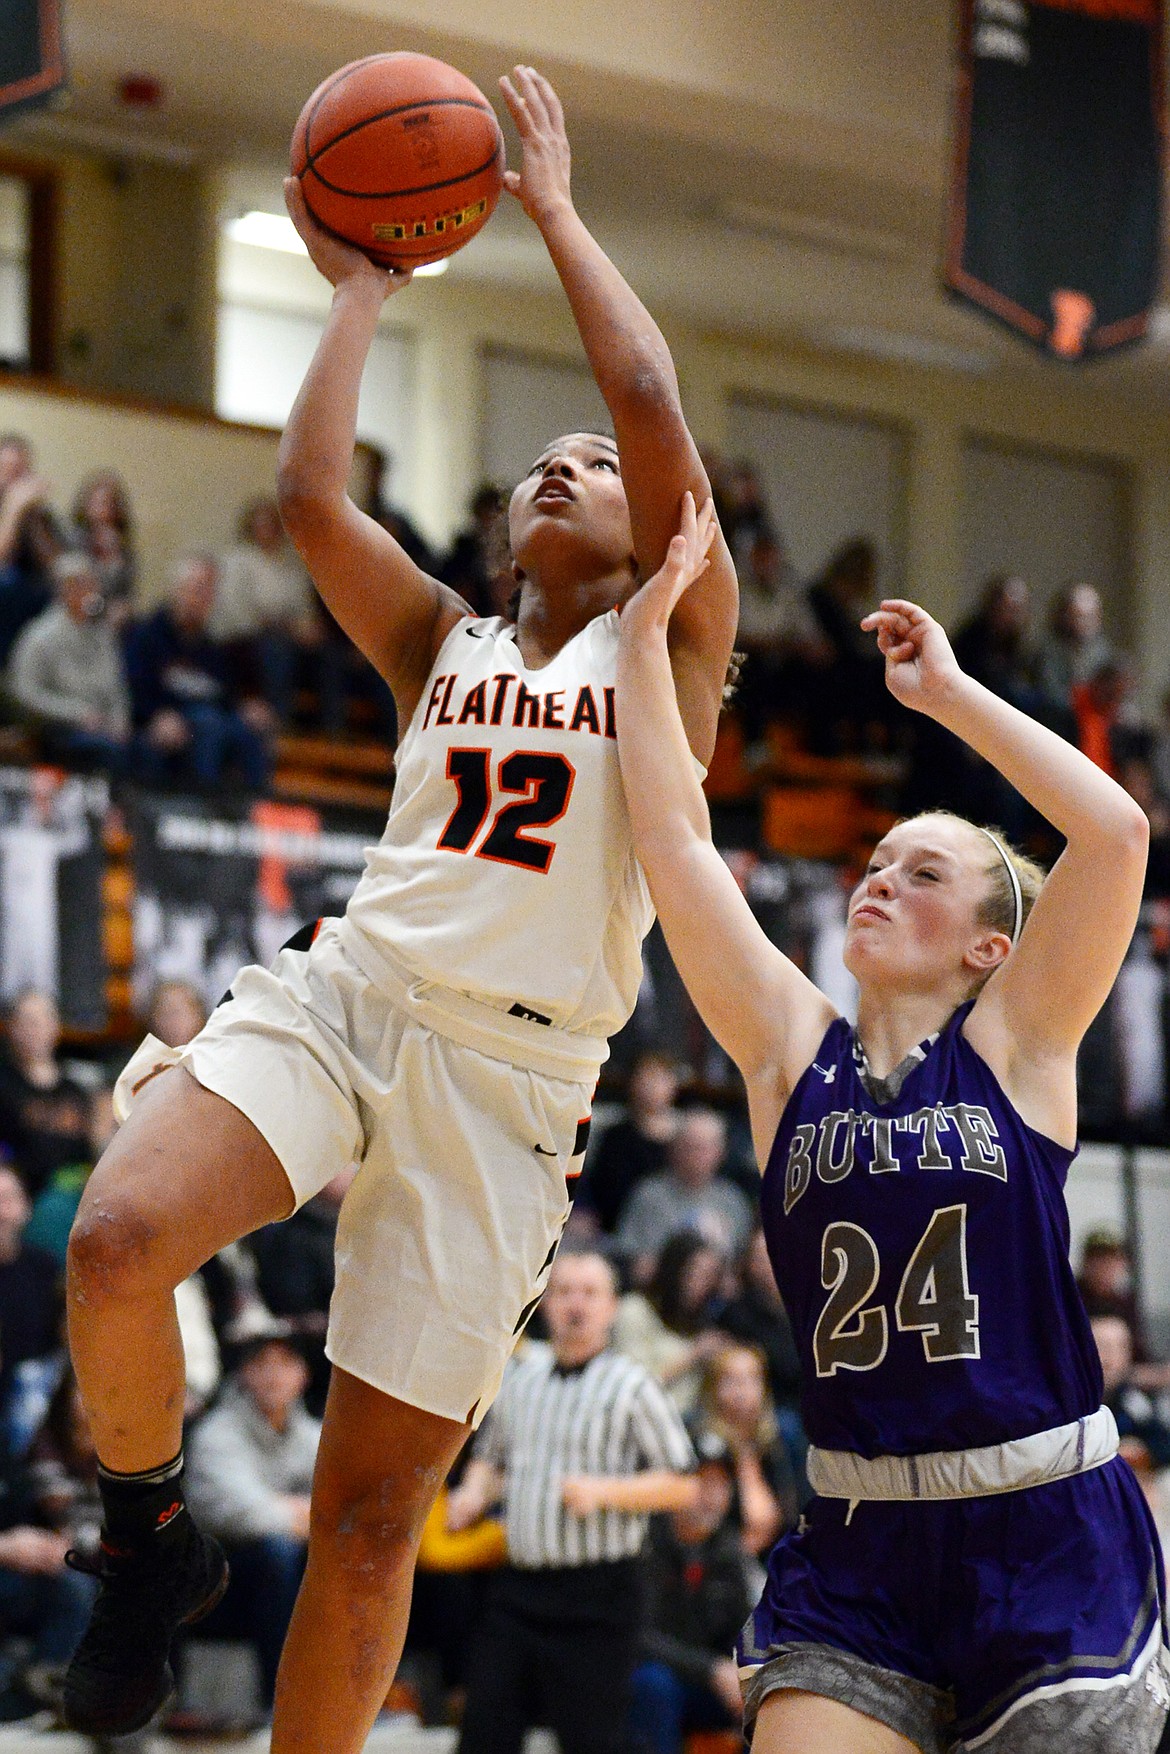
<point>438,103</point>
<point>399,194</point>
<point>331,84</point>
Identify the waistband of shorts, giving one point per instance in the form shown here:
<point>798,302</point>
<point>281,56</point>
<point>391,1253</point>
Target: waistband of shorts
<point>968,1473</point>
<point>538,1047</point>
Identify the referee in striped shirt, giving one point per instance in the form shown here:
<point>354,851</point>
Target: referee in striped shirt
<point>582,1446</point>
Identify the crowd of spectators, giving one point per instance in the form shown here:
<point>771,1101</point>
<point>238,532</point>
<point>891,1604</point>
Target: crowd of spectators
<point>690,1304</point>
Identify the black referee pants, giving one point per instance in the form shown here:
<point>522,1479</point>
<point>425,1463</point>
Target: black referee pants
<point>556,1649</point>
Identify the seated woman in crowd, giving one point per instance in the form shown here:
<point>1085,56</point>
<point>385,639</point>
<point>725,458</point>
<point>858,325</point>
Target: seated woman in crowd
<point>735,1405</point>
<point>668,1327</point>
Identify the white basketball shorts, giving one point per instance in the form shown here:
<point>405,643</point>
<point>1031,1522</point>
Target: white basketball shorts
<point>468,1124</point>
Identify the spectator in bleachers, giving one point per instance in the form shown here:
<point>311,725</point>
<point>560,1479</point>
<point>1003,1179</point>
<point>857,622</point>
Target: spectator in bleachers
<point>1105,1279</point>
<point>667,1328</point>
<point>1138,1420</point>
<point>1109,728</point>
<point>783,646</point>
<point>735,1405</point>
<point>478,565</point>
<point>850,704</point>
<point>1136,773</point>
<point>743,511</point>
<point>182,694</point>
<point>63,1469</point>
<point>55,1206</point>
<point>177,1013</point>
<point>41,1599</point>
<point>994,644</point>
<point>265,604</point>
<point>103,526</point>
<point>1076,647</point>
<point>755,1314</point>
<point>30,1288</point>
<point>697,1598</point>
<point>249,1473</point>
<point>636,1145</point>
<point>690,1194</point>
<point>29,540</point>
<point>295,1273</point>
<point>66,674</point>
<point>397,522</point>
<point>43,1111</point>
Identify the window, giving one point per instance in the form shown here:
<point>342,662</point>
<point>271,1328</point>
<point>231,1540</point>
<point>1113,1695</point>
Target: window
<point>15,236</point>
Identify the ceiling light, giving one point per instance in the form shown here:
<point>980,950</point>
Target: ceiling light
<point>275,231</point>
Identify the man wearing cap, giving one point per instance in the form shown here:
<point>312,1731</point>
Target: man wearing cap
<point>249,1471</point>
<point>582,1446</point>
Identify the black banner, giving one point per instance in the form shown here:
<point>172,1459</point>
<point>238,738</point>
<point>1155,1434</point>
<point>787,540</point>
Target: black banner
<point>216,887</point>
<point>31,63</point>
<point>1056,199</point>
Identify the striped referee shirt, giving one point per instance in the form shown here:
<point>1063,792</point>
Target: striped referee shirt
<point>607,1417</point>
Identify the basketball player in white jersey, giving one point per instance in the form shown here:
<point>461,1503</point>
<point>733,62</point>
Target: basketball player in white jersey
<point>446,1033</point>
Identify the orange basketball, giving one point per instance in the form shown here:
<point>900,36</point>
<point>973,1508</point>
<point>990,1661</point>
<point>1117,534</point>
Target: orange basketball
<point>401,155</point>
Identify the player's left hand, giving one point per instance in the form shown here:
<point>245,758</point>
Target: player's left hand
<point>542,184</point>
<point>921,668</point>
<point>581,1494</point>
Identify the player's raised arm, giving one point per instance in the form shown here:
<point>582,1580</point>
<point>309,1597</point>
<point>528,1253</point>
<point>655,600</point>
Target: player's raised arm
<point>392,611</point>
<point>756,1003</point>
<point>634,371</point>
<point>1047,992</point>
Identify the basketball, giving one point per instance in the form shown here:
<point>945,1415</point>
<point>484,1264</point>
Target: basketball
<point>401,155</point>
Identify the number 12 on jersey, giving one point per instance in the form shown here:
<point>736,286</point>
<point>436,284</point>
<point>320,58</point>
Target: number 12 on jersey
<point>545,783</point>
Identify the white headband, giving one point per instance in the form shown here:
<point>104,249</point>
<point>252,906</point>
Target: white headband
<point>1017,892</point>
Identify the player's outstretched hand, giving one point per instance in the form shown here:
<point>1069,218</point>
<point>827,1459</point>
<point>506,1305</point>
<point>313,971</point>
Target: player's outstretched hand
<point>542,183</point>
<point>921,668</point>
<point>687,559</point>
<point>330,255</point>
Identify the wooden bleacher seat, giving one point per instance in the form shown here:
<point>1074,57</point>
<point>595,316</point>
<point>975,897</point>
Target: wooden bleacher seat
<point>325,770</point>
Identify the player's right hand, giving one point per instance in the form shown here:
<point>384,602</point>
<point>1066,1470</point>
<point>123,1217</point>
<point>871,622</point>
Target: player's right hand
<point>332,256</point>
<point>542,184</point>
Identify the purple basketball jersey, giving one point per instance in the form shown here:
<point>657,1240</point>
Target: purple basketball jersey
<point>921,1247</point>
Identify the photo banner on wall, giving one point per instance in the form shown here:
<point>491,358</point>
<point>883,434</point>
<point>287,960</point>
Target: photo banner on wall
<point>217,886</point>
<point>51,868</point>
<point>32,66</point>
<point>1056,194</point>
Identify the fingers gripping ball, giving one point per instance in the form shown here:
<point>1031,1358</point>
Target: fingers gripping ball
<point>401,155</point>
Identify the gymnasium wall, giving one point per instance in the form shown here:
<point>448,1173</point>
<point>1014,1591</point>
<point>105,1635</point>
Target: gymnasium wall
<point>190,473</point>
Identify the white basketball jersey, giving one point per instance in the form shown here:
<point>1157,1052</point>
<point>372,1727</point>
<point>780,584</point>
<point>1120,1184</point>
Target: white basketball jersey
<point>507,868</point>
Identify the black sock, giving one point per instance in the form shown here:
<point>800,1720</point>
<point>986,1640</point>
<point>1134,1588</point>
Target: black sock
<point>143,1511</point>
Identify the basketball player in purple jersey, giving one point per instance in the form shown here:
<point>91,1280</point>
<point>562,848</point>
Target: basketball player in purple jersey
<point>978,1569</point>
<point>445,1033</point>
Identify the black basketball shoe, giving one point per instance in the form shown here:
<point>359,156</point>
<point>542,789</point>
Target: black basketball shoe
<point>120,1675</point>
